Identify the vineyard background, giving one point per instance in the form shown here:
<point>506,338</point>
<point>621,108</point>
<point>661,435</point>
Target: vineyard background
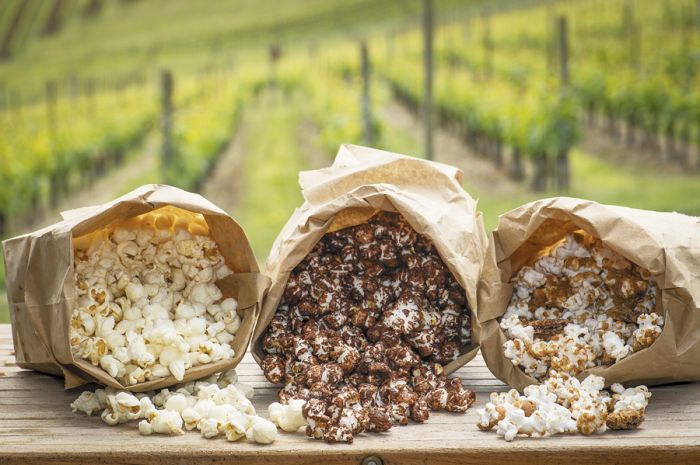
<point>591,98</point>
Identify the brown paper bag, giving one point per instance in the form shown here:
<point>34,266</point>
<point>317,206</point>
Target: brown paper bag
<point>363,181</point>
<point>667,244</point>
<point>41,284</point>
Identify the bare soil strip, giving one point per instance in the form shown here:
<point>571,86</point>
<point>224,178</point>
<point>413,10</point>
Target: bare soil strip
<point>226,184</point>
<point>105,188</point>
<point>479,173</point>
<point>598,142</point>
<point>308,137</point>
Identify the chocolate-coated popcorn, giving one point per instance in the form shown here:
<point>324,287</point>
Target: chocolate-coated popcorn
<point>365,324</point>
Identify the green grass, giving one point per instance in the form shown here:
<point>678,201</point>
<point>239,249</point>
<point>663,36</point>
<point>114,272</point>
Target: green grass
<point>270,188</point>
<point>151,175</point>
<point>187,36</point>
<point>606,182</point>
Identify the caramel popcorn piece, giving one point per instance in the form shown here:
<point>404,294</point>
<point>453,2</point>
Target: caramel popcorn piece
<point>579,306</point>
<point>625,419</point>
<point>547,329</point>
<point>563,404</point>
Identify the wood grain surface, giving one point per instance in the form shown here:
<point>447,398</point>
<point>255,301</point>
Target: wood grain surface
<point>38,427</point>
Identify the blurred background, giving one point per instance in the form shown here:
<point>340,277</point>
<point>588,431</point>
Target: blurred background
<point>231,98</point>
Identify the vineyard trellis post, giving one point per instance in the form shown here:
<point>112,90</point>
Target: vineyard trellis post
<point>275,53</point>
<point>488,47</point>
<point>562,163</point>
<point>55,20</point>
<point>3,96</point>
<point>11,30</point>
<point>73,89</point>
<point>166,122</point>
<point>89,90</point>
<point>367,120</point>
<point>390,44</point>
<point>428,77</point>
<point>59,183</point>
<point>15,103</point>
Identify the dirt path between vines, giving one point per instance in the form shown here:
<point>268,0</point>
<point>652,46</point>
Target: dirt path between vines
<point>599,143</point>
<point>227,183</point>
<point>114,183</point>
<point>308,139</point>
<point>480,175</point>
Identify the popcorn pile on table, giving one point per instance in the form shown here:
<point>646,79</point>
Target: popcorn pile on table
<point>148,305</point>
<point>563,404</point>
<point>216,406</point>
<point>366,322</point>
<point>579,306</point>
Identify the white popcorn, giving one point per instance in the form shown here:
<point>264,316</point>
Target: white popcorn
<point>245,389</point>
<point>216,406</point>
<point>135,291</point>
<point>209,427</point>
<point>262,431</point>
<point>111,365</point>
<point>234,429</point>
<point>145,428</point>
<point>580,306</point>
<point>166,422</point>
<point>87,403</point>
<point>561,405</point>
<point>231,377</point>
<point>147,305</point>
<point>177,368</point>
<point>191,418</point>
<point>614,346</point>
<point>288,417</point>
<point>176,402</point>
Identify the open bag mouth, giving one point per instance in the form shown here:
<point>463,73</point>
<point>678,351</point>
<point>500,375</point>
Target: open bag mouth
<point>577,304</point>
<point>368,318</point>
<point>153,300</point>
<point>156,287</point>
<point>583,288</point>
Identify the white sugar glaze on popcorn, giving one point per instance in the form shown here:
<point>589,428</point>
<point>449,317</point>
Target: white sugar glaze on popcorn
<point>593,307</point>
<point>217,406</point>
<point>147,301</point>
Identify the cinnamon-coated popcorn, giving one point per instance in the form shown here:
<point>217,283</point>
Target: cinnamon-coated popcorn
<point>364,325</point>
<point>579,306</point>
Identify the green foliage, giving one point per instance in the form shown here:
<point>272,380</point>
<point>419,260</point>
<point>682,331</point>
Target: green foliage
<point>536,121</point>
<point>269,186</point>
<point>50,146</point>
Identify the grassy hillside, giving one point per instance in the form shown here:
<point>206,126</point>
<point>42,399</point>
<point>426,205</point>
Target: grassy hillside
<point>128,37</point>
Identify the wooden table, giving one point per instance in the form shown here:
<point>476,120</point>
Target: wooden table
<point>37,426</point>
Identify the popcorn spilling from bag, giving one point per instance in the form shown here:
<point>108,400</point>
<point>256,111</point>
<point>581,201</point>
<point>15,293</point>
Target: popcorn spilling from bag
<point>148,306</point>
<point>218,406</point>
<point>562,404</point>
<point>579,306</point>
<point>366,322</point>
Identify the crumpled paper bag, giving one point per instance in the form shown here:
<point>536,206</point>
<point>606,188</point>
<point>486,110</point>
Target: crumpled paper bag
<point>667,244</point>
<point>363,181</point>
<point>41,284</point>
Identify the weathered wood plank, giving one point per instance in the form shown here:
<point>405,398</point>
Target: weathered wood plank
<point>37,426</point>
